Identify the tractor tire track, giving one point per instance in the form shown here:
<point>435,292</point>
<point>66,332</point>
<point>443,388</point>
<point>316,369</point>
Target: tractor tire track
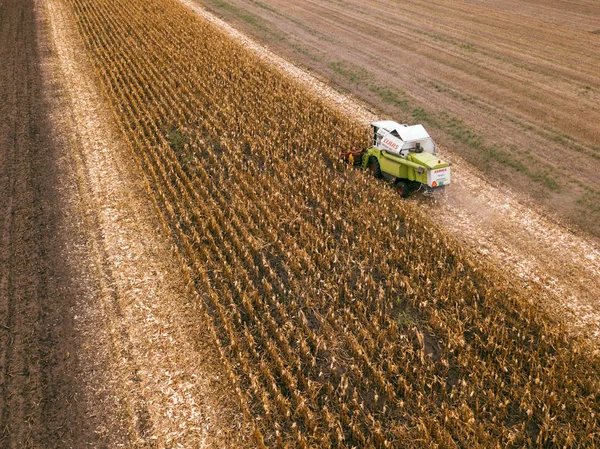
<point>19,288</point>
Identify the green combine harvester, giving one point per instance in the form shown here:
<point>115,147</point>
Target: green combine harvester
<point>405,155</point>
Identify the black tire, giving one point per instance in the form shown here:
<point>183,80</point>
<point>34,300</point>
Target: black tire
<point>374,167</point>
<point>402,188</point>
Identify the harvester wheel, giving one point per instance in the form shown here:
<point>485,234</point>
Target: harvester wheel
<point>402,189</point>
<point>374,167</point>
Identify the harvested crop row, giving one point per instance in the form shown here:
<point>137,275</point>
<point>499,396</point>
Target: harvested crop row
<point>343,316</point>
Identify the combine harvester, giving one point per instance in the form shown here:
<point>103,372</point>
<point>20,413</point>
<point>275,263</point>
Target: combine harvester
<point>405,155</point>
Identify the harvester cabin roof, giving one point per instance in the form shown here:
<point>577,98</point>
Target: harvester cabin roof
<point>404,132</point>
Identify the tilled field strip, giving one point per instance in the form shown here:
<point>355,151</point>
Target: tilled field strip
<point>21,287</point>
<point>339,322</point>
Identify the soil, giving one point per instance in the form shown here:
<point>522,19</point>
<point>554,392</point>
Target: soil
<point>501,223</point>
<point>43,285</point>
<point>97,343</point>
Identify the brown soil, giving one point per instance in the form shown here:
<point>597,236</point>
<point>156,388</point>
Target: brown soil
<point>97,347</point>
<point>43,284</point>
<point>497,221</point>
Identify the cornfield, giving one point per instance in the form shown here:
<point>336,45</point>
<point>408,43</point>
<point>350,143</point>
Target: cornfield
<point>342,315</point>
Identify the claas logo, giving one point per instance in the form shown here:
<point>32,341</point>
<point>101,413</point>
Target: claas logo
<point>390,143</point>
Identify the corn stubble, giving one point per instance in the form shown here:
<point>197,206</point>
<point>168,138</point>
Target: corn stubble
<point>343,316</point>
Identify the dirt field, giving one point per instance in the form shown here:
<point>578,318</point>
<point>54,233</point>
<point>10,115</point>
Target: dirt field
<point>511,87</point>
<point>41,401</point>
<point>91,353</point>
